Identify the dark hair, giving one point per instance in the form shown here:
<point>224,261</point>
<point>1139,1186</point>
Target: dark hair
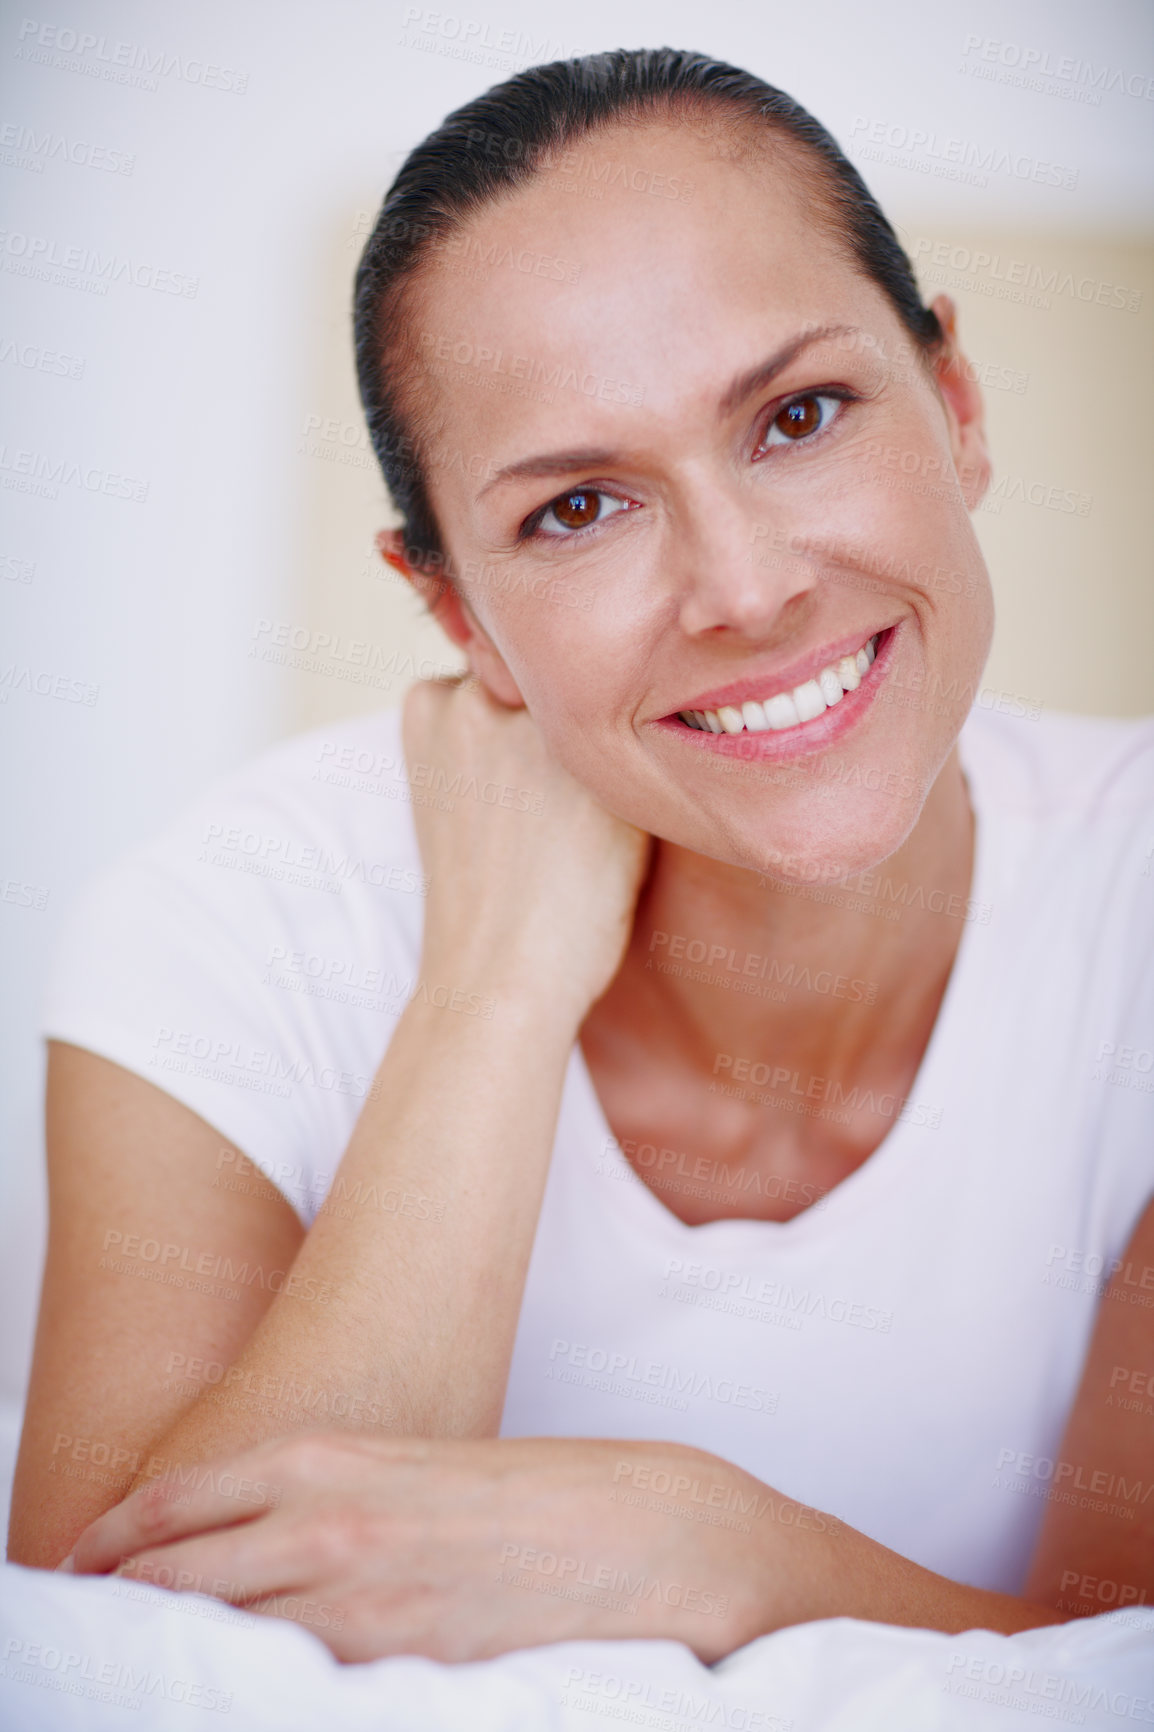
<point>497,142</point>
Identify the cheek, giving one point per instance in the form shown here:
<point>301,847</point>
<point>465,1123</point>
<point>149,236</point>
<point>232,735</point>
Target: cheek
<point>578,663</point>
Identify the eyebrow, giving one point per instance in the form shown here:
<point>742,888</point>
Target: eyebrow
<point>747,383</point>
<point>555,463</point>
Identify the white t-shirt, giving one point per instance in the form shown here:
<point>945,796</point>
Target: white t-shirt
<point>903,1356</point>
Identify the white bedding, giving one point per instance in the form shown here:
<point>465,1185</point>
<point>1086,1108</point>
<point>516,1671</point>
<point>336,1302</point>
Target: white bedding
<point>96,1653</point>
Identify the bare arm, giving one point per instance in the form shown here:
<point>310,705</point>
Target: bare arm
<point>113,1345</point>
<point>1095,1552</point>
<point>528,913</point>
<point>401,1318</point>
<point>396,1312</point>
<point>1088,1560</point>
<point>460,1530</point>
<point>412,1310</point>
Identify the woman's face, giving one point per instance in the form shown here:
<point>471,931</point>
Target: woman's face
<point>685,458</point>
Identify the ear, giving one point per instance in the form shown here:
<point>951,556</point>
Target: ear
<point>455,617</point>
<point>965,410</point>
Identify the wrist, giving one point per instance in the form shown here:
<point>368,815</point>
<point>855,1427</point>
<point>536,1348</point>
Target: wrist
<point>496,998</point>
<point>502,984</point>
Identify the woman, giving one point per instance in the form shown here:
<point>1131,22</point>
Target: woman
<point>743,1218</point>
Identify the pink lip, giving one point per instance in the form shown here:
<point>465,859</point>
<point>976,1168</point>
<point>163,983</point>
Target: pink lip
<point>778,745</point>
<point>780,679</point>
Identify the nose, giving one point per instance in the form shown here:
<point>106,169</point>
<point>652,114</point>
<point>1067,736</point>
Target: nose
<point>735,569</point>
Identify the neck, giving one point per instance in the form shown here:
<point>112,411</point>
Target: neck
<point>823,982</point>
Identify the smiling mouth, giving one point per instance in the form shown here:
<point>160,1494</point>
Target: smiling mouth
<point>788,709</point>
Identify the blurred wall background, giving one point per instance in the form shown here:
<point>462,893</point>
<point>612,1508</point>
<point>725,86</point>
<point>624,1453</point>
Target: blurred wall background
<point>182,464</point>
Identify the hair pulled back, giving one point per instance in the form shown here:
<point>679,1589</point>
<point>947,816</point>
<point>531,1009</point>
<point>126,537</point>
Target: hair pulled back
<point>496,143</point>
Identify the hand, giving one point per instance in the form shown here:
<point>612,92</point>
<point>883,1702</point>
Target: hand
<point>532,881</point>
<point>464,1550</point>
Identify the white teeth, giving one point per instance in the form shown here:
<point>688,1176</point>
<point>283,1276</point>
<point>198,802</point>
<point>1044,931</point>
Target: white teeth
<point>831,686</point>
<point>781,711</point>
<point>809,700</point>
<point>787,709</point>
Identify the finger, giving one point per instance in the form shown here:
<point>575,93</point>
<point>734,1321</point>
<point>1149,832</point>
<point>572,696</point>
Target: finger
<point>329,1615</point>
<point>237,1565</point>
<point>355,1631</point>
<point>206,1496</point>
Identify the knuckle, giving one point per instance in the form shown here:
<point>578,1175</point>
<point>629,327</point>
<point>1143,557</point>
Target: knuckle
<point>337,1539</point>
<point>307,1458</point>
<point>154,1509</point>
<point>316,1457</point>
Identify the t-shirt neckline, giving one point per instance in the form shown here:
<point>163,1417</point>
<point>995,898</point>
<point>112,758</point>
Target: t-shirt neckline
<point>868,1184</point>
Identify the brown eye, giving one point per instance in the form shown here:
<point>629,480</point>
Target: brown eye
<point>798,419</point>
<point>577,510</point>
<point>564,517</point>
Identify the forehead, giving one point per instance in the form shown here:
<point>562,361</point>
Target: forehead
<point>628,279</point>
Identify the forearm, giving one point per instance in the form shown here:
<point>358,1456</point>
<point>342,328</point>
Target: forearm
<point>401,1307</point>
<point>837,1572</point>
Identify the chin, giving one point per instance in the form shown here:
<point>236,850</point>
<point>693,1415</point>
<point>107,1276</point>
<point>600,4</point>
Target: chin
<point>828,834</point>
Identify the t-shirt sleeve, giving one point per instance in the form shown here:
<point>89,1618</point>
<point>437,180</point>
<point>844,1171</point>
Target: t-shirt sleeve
<point>252,963</point>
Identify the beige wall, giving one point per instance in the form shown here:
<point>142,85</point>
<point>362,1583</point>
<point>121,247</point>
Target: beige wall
<point>1069,376</point>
